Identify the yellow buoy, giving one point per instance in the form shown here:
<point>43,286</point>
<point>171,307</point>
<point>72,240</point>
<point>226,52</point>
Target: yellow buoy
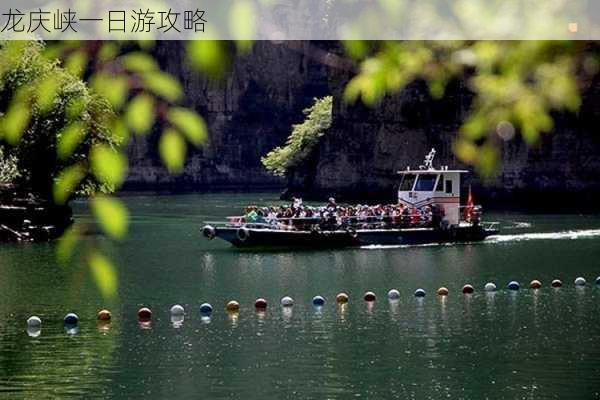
<point>443,291</point>
<point>233,306</point>
<point>341,298</point>
<point>535,284</point>
<point>104,315</point>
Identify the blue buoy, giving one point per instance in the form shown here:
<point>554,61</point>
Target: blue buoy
<point>393,294</point>
<point>420,293</point>
<point>598,280</point>
<point>490,287</point>
<point>513,285</point>
<point>71,319</point>
<point>318,300</point>
<point>206,308</point>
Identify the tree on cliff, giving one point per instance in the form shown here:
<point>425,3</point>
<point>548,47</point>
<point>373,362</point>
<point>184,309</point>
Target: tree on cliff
<point>303,139</point>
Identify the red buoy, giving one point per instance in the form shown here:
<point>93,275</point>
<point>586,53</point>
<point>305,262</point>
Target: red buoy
<point>260,304</point>
<point>370,296</point>
<point>144,314</point>
<point>468,289</point>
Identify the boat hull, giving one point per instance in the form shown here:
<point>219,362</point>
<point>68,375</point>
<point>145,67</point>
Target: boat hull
<point>267,238</point>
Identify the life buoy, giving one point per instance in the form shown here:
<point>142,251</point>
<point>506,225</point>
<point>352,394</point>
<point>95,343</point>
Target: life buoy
<point>243,234</point>
<point>209,232</point>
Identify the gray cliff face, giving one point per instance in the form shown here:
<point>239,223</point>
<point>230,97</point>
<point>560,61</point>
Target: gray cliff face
<point>252,111</point>
<point>248,113</point>
<point>357,159</point>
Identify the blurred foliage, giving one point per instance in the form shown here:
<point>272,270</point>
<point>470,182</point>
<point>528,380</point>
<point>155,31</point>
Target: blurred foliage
<point>303,139</point>
<point>517,85</point>
<point>49,120</point>
<point>67,137</point>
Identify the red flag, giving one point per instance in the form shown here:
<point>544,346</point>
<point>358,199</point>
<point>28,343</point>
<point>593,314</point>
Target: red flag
<point>470,205</point>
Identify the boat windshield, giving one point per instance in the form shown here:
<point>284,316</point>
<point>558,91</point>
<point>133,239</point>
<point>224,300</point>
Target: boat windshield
<point>425,183</point>
<point>406,184</point>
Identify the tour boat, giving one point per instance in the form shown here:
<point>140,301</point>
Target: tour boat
<point>426,188</point>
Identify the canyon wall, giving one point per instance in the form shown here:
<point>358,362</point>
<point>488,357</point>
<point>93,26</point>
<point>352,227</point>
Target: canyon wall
<point>252,111</point>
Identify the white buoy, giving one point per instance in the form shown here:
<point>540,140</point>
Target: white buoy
<point>177,310</point>
<point>287,301</point>
<point>34,322</point>
<point>490,287</point>
<point>393,294</point>
<point>580,281</point>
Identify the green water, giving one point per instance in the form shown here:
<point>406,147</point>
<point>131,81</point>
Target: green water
<point>526,345</point>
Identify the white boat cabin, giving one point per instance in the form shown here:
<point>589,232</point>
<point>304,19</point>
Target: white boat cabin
<point>428,186</point>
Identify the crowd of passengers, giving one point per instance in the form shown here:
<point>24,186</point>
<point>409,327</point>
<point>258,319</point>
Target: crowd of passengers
<point>334,216</point>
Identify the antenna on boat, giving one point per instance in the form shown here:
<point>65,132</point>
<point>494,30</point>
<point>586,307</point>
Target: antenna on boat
<point>428,163</point>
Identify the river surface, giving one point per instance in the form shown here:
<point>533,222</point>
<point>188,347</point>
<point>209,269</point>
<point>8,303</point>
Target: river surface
<point>530,344</point>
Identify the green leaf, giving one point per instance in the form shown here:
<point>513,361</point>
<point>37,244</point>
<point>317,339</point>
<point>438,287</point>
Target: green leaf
<point>242,19</point>
<point>190,123</point>
<point>66,244</point>
<point>163,85</point>
<point>67,182</point>
<point>76,63</point>
<point>14,122</point>
<point>140,114</point>
<point>46,93</point>
<point>139,62</point>
<point>111,214</point>
<point>104,274</point>
<point>113,87</point>
<point>69,138</point>
<point>108,165</point>
<point>172,149</point>
<point>208,56</point>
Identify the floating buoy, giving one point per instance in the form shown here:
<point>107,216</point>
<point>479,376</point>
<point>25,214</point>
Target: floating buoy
<point>341,298</point>
<point>233,306</point>
<point>34,321</point>
<point>513,285</point>
<point>443,291</point>
<point>535,284</point>
<point>104,315</point>
<point>177,310</point>
<point>556,283</point>
<point>369,296</point>
<point>71,319</point>
<point>318,300</point>
<point>580,281</point>
<point>598,280</point>
<point>205,308</point>
<point>468,289</point>
<point>34,331</point>
<point>287,301</point>
<point>260,303</point>
<point>144,314</point>
<point>420,293</point>
<point>490,287</point>
<point>393,294</point>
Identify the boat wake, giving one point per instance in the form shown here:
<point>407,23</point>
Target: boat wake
<point>562,235</point>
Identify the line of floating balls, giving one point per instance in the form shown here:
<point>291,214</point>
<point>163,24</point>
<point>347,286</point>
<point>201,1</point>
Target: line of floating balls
<point>145,314</point>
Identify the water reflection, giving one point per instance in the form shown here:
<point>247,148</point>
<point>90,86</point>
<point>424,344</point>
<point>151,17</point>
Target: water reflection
<point>34,331</point>
<point>71,329</point>
<point>145,325</point>
<point>177,321</point>
<point>103,327</point>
